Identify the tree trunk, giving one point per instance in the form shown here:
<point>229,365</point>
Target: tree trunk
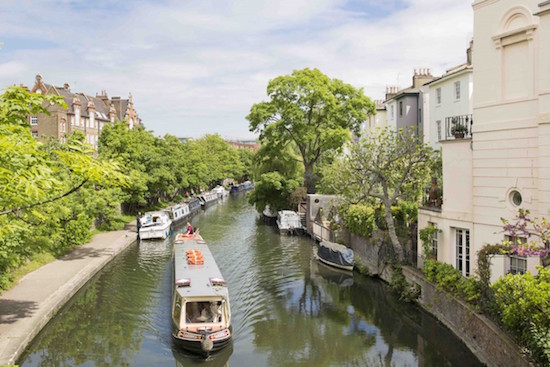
<point>391,230</point>
<point>309,179</point>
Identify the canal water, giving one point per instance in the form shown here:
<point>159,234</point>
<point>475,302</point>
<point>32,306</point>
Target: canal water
<point>288,309</point>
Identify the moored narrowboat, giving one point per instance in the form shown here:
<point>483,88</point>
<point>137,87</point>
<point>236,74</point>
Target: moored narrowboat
<point>208,198</point>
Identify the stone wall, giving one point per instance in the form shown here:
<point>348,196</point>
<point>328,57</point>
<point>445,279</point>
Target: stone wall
<point>486,340</point>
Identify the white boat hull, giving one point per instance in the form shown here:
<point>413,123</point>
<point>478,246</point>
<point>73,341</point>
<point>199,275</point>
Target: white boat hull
<point>157,232</point>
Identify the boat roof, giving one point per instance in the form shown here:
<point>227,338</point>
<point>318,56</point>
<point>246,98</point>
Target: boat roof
<point>199,275</point>
<point>287,213</point>
<point>158,212</point>
<point>334,246</point>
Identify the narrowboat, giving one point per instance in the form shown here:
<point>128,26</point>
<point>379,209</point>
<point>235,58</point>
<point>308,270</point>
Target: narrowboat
<point>247,185</point>
<point>208,198</point>
<point>201,316</point>
<point>155,225</point>
<point>269,215</point>
<point>178,212</point>
<point>220,191</point>
<point>194,205</point>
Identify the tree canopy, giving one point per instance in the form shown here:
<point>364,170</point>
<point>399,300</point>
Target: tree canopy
<point>162,169</point>
<point>383,167</point>
<point>311,111</point>
<point>38,209</point>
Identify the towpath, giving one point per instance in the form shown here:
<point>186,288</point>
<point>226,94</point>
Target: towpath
<point>28,306</point>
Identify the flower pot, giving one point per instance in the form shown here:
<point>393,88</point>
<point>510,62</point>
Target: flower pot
<point>459,135</point>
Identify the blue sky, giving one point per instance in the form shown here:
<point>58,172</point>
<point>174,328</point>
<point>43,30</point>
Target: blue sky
<point>196,67</point>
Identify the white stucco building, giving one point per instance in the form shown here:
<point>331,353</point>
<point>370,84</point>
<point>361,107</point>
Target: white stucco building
<point>450,102</point>
<point>505,164</point>
<point>379,120</point>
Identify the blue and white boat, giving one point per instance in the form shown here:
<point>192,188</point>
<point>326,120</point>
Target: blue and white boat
<point>155,225</point>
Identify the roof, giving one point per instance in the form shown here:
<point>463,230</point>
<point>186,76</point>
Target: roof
<point>198,274</point>
<point>404,92</point>
<point>452,72</point>
<point>101,108</point>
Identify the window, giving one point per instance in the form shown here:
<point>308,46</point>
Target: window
<point>515,198</point>
<point>203,312</point>
<point>177,310</point>
<point>400,108</point>
<point>34,120</point>
<point>457,90</point>
<point>391,111</point>
<point>515,240</point>
<point>518,265</point>
<point>463,251</point>
<point>438,124</point>
<point>435,240</point>
<point>438,95</point>
<point>34,134</point>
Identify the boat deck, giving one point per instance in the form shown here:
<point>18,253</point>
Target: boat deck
<point>199,275</point>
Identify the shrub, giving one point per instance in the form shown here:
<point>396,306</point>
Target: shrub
<point>406,291</point>
<point>359,219</point>
<point>523,306</point>
<point>447,278</point>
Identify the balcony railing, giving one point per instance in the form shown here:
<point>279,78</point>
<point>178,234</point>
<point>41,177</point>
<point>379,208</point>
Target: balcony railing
<point>462,124</point>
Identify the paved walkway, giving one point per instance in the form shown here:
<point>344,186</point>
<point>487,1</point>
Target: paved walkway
<point>26,308</point>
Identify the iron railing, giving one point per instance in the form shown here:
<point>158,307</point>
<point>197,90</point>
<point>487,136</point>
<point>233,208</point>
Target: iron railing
<point>458,127</point>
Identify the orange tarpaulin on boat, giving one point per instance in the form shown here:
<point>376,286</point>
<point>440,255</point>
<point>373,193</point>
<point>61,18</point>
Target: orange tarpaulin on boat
<point>194,257</point>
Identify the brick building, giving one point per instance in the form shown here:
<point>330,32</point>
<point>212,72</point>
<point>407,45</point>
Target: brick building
<point>84,113</point>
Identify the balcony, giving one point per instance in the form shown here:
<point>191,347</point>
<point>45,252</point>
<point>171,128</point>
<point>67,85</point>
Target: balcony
<point>457,127</point>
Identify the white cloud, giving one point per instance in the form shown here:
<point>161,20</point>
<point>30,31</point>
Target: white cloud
<point>196,67</point>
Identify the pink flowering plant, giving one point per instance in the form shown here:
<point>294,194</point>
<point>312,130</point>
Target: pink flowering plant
<point>529,234</point>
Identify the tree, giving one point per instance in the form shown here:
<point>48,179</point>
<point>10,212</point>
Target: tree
<point>312,111</point>
<point>277,176</point>
<point>383,167</point>
<point>29,175</point>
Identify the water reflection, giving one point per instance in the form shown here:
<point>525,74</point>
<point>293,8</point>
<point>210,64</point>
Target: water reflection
<point>218,359</point>
<point>287,309</point>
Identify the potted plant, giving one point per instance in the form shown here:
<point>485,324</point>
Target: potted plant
<point>458,130</point>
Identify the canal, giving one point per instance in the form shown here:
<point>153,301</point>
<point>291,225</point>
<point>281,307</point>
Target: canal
<point>288,310</point>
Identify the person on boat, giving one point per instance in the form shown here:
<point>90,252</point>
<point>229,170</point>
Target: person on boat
<point>190,229</point>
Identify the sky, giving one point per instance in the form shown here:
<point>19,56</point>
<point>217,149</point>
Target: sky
<point>195,67</point>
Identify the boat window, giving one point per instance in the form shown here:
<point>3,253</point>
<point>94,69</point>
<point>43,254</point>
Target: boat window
<point>177,309</point>
<point>203,312</point>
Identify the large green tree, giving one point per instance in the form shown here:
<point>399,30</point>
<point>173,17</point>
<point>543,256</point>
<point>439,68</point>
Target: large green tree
<point>31,176</point>
<point>39,211</point>
<point>312,111</point>
<point>382,168</point>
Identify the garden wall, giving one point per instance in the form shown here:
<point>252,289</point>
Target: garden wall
<point>486,340</point>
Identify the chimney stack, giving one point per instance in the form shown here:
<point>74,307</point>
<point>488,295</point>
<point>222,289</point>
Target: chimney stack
<point>391,92</point>
<point>421,77</point>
